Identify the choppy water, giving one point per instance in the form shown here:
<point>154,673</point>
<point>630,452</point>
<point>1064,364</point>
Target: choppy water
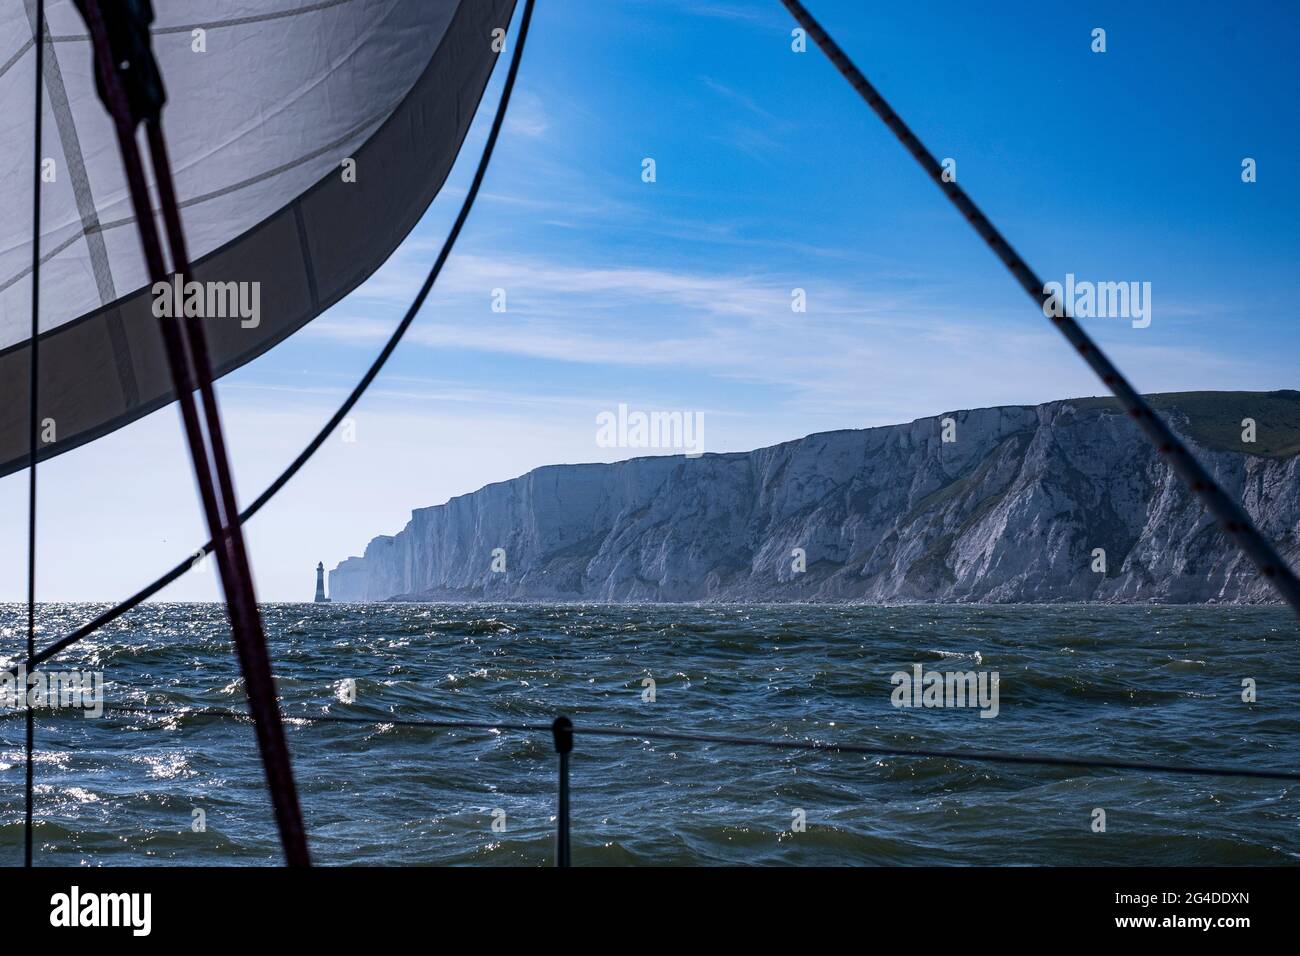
<point>1135,683</point>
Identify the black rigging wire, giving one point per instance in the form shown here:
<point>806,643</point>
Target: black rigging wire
<point>33,421</point>
<point>679,736</point>
<point>35,659</point>
<point>1231,516</point>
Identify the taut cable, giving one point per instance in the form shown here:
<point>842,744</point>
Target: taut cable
<point>1232,518</point>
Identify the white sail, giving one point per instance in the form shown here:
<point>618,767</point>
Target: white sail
<point>272,106</point>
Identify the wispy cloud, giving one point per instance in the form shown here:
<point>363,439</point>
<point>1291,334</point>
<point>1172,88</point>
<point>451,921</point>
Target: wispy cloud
<point>751,13</point>
<point>872,353</point>
<point>538,283</point>
<point>527,116</point>
<point>743,100</point>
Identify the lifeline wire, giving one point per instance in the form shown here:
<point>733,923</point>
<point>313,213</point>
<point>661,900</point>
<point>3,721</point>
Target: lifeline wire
<point>681,736</point>
<point>1231,516</point>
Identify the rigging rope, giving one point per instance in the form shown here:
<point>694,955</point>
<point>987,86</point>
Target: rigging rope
<point>677,736</point>
<point>106,617</point>
<point>33,421</point>
<point>131,87</point>
<point>1231,516</point>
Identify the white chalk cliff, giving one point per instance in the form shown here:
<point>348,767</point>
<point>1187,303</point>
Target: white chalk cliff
<point>1011,511</point>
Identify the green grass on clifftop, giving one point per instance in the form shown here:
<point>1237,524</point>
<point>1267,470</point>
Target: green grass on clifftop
<point>1214,418</point>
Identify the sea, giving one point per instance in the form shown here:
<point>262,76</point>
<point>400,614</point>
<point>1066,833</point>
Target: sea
<point>152,781</point>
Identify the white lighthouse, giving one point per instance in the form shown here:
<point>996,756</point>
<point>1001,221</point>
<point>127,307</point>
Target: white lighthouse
<point>320,584</point>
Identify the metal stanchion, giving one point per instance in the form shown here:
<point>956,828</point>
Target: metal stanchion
<point>562,730</point>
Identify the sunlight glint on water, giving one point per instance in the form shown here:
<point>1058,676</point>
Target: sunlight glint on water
<point>1133,683</point>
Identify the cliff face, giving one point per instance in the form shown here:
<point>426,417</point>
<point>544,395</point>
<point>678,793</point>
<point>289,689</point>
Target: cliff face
<point>1011,511</point>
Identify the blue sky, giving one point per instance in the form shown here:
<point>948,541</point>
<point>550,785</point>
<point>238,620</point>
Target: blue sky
<point>675,295</point>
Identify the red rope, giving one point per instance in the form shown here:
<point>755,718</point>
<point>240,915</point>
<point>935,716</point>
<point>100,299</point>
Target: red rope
<point>188,359</point>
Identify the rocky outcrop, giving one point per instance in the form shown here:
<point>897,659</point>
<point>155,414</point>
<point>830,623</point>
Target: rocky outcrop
<point>1013,510</point>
